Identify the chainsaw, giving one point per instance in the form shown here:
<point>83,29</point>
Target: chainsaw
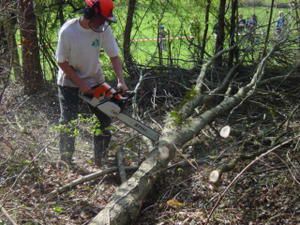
<point>113,104</point>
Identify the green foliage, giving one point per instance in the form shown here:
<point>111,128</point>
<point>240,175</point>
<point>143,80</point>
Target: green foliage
<point>16,168</point>
<point>190,94</point>
<point>58,209</point>
<point>176,117</point>
<point>106,67</point>
<point>90,124</point>
<point>179,17</point>
<point>70,128</point>
<point>180,170</point>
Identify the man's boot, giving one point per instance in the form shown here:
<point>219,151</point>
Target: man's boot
<point>101,143</point>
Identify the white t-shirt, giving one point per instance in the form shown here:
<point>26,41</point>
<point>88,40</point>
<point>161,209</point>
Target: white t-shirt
<point>80,47</point>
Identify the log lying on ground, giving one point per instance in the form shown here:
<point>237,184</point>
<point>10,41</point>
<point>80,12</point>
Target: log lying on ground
<point>125,204</point>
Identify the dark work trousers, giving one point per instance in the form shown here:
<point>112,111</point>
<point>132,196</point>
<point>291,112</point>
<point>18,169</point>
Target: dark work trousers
<point>69,101</point>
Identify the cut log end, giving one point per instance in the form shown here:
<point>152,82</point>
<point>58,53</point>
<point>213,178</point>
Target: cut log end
<point>214,176</point>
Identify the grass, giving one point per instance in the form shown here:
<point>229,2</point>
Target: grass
<point>179,26</point>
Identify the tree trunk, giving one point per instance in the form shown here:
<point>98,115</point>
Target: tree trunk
<point>5,64</point>
<point>4,61</point>
<point>32,72</point>
<point>268,30</point>
<point>60,11</point>
<point>234,7</point>
<point>130,65</point>
<point>9,44</point>
<point>208,4</point>
<point>220,27</point>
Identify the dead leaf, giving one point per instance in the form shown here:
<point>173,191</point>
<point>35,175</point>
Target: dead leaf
<point>174,203</point>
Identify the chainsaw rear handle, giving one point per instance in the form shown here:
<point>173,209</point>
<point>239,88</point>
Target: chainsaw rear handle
<point>126,94</point>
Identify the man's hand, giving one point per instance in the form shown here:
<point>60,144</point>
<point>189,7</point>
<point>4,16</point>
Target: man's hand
<point>117,66</point>
<point>72,75</point>
<point>84,88</point>
<point>122,86</point>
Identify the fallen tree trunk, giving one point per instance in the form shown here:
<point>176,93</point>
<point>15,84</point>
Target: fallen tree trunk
<point>125,204</point>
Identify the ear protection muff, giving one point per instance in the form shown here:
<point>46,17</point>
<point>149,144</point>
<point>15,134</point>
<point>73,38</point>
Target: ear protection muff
<point>90,12</point>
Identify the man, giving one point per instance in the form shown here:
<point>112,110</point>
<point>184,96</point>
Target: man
<point>162,37</point>
<point>252,23</point>
<point>280,22</point>
<point>77,54</point>
<point>241,24</point>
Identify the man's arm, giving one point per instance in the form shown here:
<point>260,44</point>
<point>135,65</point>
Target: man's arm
<point>117,67</point>
<point>72,75</point>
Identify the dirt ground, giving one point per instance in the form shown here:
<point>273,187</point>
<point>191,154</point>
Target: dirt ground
<point>267,193</point>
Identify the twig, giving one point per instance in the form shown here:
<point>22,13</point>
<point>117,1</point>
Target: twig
<point>3,210</point>
<point>289,158</point>
<point>185,158</point>
<point>27,167</point>
<point>289,169</point>
<point>243,171</point>
<point>134,99</point>
<point>86,178</point>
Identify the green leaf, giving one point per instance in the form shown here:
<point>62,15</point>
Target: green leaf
<point>58,209</point>
<point>176,117</point>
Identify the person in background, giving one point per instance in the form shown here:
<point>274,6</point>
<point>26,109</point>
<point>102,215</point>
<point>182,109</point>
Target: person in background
<point>280,22</point>
<point>77,55</point>
<point>241,24</point>
<point>162,37</point>
<point>252,23</point>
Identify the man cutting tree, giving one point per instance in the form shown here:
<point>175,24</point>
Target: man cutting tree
<point>77,54</point>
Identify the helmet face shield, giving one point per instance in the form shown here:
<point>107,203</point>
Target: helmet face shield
<point>100,14</point>
<point>99,24</point>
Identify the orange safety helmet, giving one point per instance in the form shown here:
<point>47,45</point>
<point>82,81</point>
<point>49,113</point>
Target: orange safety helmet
<point>101,7</point>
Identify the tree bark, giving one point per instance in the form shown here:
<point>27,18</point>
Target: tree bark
<point>60,11</point>
<point>130,65</point>
<point>220,32</point>
<point>268,30</point>
<point>9,21</point>
<point>234,8</point>
<point>208,4</point>
<point>4,62</point>
<point>32,72</point>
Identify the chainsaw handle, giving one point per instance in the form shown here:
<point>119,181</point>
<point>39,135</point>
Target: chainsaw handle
<point>126,94</point>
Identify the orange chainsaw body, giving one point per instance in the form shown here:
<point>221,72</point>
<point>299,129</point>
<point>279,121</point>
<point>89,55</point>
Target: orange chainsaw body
<point>105,90</point>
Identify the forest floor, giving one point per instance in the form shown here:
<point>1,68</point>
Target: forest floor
<point>266,193</point>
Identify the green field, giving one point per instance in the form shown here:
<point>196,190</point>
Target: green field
<point>177,26</point>
<point>176,23</point>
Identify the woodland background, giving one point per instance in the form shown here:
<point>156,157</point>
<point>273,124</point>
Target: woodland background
<point>206,77</point>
